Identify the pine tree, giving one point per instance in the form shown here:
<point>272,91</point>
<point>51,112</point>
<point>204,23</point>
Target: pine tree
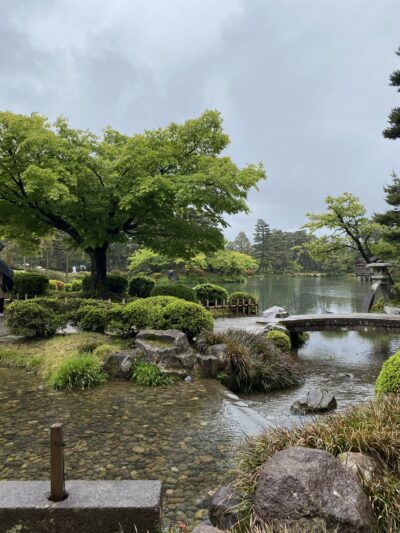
<point>261,243</point>
<point>393,131</point>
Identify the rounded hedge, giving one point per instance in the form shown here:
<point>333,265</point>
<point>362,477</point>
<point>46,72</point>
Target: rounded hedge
<point>141,286</point>
<point>210,292</point>
<point>179,291</point>
<point>31,319</point>
<point>280,340</point>
<point>389,377</point>
<point>189,317</point>
<point>241,296</point>
<point>30,284</point>
<point>114,283</point>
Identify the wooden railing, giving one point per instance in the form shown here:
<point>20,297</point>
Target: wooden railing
<point>244,306</point>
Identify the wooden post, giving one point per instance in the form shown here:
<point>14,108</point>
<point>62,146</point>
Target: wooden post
<point>57,482</point>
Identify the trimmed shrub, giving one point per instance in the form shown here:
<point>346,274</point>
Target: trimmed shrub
<point>74,286</point>
<point>210,292</point>
<point>94,315</point>
<point>280,339</point>
<point>150,375</point>
<point>241,296</point>
<point>141,286</point>
<point>31,319</point>
<point>30,283</point>
<point>179,291</point>
<point>56,285</point>
<point>114,283</point>
<point>80,371</point>
<point>59,304</point>
<point>389,377</point>
<point>188,317</point>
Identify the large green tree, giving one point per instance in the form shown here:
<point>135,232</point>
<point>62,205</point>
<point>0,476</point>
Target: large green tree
<point>168,189</point>
<point>346,226</point>
<point>393,131</point>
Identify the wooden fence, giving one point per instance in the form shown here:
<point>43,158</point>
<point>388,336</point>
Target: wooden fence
<point>243,306</point>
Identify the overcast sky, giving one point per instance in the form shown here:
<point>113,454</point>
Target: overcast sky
<point>302,84</point>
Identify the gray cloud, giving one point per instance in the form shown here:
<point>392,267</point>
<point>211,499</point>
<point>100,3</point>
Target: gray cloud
<point>302,84</point>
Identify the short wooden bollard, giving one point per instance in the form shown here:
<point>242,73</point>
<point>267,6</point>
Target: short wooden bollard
<point>57,481</point>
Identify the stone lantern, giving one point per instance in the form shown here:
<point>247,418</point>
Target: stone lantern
<point>381,281</point>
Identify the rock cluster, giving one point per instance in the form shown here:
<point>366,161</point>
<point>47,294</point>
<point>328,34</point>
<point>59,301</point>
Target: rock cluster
<point>316,401</point>
<point>169,348</point>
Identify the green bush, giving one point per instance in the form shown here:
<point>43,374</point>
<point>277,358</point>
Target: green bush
<point>179,291</point>
<point>141,286</point>
<point>76,285</point>
<point>114,283</point>
<point>80,371</point>
<point>150,375</point>
<point>389,377</point>
<point>188,317</point>
<point>241,296</point>
<point>31,319</point>
<point>210,292</point>
<point>280,339</point>
<point>30,283</point>
<point>94,315</point>
<point>59,304</point>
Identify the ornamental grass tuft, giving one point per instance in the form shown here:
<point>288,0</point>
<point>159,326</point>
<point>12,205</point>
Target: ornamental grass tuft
<point>78,371</point>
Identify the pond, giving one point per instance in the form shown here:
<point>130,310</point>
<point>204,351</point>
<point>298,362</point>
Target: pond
<point>186,434</point>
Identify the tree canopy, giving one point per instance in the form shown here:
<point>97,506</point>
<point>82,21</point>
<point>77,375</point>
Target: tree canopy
<point>168,189</point>
<point>393,131</point>
<point>347,225</point>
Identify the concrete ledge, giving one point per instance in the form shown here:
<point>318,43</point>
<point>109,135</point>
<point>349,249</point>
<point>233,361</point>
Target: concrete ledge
<point>91,506</point>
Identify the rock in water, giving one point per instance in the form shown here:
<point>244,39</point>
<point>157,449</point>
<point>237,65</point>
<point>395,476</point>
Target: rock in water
<point>308,488</point>
<point>222,510</point>
<point>119,365</point>
<point>274,313</point>
<point>316,401</point>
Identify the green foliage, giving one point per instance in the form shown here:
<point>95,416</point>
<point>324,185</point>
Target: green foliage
<point>210,292</point>
<point>113,283</point>
<point>147,260</point>
<point>179,291</point>
<point>189,317</point>
<point>237,297</point>
<point>150,375</point>
<point>372,428</point>
<point>76,285</point>
<point>241,244</point>
<point>254,362</point>
<point>378,306</point>
<point>389,377</point>
<point>168,189</point>
<point>30,283</point>
<point>56,285</point>
<point>280,339</point>
<point>393,131</point>
<point>350,229</point>
<point>94,315</point>
<point>230,262</point>
<point>80,371</point>
<point>262,234</point>
<point>141,286</point>
<point>31,319</point>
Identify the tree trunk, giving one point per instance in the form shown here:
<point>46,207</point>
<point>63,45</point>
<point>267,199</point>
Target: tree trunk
<point>98,257</point>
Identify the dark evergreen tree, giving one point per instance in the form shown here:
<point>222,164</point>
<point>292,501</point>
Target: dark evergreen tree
<point>391,218</point>
<point>393,131</point>
<point>262,235</point>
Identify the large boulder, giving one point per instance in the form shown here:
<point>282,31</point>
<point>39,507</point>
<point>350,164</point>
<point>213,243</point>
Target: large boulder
<point>119,365</point>
<point>316,401</point>
<point>220,351</point>
<point>223,511</point>
<point>311,489</point>
<point>169,348</point>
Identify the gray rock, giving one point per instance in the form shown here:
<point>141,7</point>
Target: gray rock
<point>208,366</point>
<point>275,312</point>
<point>119,365</point>
<point>188,379</point>
<point>204,528</point>
<point>363,465</point>
<point>272,326</point>
<point>316,401</point>
<point>169,347</point>
<point>222,511</point>
<point>311,488</point>
<point>220,351</point>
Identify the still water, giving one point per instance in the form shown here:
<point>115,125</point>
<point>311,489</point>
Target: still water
<point>185,434</point>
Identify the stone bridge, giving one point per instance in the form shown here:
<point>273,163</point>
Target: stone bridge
<point>340,322</point>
